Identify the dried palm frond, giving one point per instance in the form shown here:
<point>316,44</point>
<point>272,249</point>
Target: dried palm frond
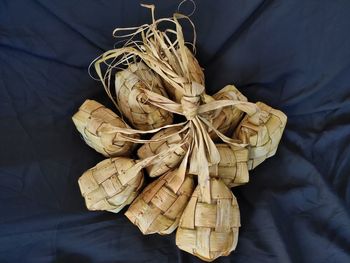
<point>129,85</point>
<point>263,132</point>
<point>93,120</point>
<point>106,186</point>
<point>210,230</point>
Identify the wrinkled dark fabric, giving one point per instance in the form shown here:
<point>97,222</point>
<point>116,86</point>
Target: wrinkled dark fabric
<point>293,55</point>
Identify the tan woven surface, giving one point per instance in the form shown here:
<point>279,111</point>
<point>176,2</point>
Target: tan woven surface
<point>152,148</point>
<point>159,207</point>
<point>210,230</point>
<point>92,121</point>
<point>105,186</point>
<point>233,167</point>
<point>227,119</point>
<point>132,101</point>
<point>263,132</point>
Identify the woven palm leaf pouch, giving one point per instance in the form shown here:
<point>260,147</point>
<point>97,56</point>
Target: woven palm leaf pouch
<point>194,148</point>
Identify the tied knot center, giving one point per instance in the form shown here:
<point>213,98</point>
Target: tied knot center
<point>190,106</point>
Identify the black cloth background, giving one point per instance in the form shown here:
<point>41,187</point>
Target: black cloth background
<point>293,55</point>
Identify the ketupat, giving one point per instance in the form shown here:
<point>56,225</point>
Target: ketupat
<point>129,85</point>
<point>263,132</point>
<point>95,123</point>
<point>107,186</point>
<point>159,207</point>
<point>228,117</point>
<point>210,230</point>
<point>195,72</point>
<point>153,148</point>
<point>233,167</point>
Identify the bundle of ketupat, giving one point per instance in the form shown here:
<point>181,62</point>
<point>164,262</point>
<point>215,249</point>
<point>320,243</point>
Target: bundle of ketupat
<point>160,81</point>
